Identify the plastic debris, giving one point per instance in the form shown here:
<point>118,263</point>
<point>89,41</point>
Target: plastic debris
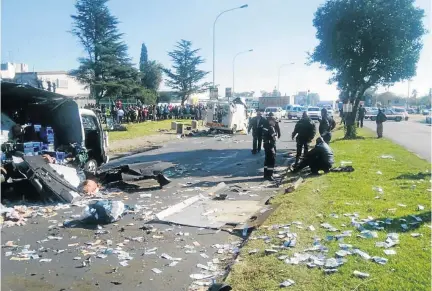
<point>311,228</point>
<point>379,173</point>
<point>287,283</point>
<point>45,260</point>
<point>390,252</point>
<point>361,254</point>
<point>415,234</point>
<point>360,274</point>
<point>380,260</point>
<point>156,270</point>
<point>420,207</point>
<point>387,157</point>
<point>378,189</point>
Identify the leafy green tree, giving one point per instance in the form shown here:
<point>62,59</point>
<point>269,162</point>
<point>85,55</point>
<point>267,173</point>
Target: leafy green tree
<point>106,68</point>
<point>144,56</point>
<point>151,75</point>
<point>365,43</point>
<point>185,77</point>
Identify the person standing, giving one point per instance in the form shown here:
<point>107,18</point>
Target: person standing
<point>361,116</point>
<point>327,124</point>
<point>269,139</point>
<point>256,124</point>
<point>380,119</point>
<point>304,132</point>
<point>120,114</point>
<point>277,128</point>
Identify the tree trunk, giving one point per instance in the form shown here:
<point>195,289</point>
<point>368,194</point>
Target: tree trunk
<point>350,125</point>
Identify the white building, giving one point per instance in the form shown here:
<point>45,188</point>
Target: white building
<point>8,70</point>
<point>64,83</point>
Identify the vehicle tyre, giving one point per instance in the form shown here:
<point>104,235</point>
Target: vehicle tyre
<point>406,118</point>
<point>398,119</point>
<point>91,166</point>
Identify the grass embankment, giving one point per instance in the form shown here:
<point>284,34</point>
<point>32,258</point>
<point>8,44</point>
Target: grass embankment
<point>135,130</point>
<point>341,193</point>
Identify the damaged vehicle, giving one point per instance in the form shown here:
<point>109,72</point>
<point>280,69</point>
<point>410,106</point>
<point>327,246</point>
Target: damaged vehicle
<point>50,145</point>
<point>227,116</point>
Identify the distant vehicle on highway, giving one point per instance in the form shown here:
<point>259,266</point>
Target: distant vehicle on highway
<point>401,111</point>
<point>391,115</point>
<point>411,111</point>
<point>300,112</point>
<point>371,112</point>
<point>314,113</point>
<point>277,111</point>
<point>425,111</point>
<point>294,110</point>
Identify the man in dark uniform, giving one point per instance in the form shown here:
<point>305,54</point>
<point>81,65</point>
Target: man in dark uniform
<point>327,124</point>
<point>256,124</point>
<point>361,116</point>
<point>304,132</point>
<point>269,139</point>
<point>319,158</point>
<point>277,128</point>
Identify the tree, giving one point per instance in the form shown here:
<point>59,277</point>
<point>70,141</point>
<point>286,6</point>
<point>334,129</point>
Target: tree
<point>151,71</point>
<point>151,75</point>
<point>365,43</point>
<point>106,69</point>
<point>144,56</point>
<point>185,77</point>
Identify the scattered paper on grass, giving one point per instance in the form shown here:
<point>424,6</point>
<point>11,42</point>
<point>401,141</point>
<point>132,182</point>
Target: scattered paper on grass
<point>361,274</point>
<point>390,252</point>
<point>287,283</point>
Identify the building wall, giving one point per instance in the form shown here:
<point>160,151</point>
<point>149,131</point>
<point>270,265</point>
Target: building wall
<point>65,84</point>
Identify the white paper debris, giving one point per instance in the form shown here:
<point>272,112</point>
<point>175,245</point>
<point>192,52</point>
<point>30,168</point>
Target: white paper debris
<point>361,274</point>
<point>390,252</point>
<point>156,270</point>
<point>287,283</point>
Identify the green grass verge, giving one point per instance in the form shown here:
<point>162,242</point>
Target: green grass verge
<point>135,130</point>
<point>339,193</point>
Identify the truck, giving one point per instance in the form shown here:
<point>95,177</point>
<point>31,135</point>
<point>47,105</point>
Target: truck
<point>281,101</point>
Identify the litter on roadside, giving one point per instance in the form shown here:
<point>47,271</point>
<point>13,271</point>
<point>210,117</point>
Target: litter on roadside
<point>361,274</point>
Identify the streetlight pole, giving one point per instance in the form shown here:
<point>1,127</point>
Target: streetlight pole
<point>214,36</point>
<point>280,67</point>
<point>240,53</point>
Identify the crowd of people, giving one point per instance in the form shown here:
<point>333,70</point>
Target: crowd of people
<point>142,113</point>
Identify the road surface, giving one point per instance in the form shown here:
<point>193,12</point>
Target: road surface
<point>208,161</point>
<point>413,135</point>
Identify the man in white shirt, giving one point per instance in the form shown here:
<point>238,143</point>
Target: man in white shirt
<point>120,114</point>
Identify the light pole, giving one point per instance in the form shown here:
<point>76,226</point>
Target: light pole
<point>280,67</point>
<point>240,53</point>
<point>214,36</point>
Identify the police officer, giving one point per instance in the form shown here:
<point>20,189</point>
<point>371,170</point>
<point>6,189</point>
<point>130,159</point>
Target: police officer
<point>256,124</point>
<point>319,158</point>
<point>277,128</point>
<point>327,124</point>
<point>269,140</point>
<point>304,132</point>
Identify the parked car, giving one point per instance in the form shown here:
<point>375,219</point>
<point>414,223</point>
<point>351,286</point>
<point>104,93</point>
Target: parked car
<point>391,115</point>
<point>402,112</point>
<point>277,111</point>
<point>425,111</point>
<point>411,111</point>
<point>314,113</point>
<point>293,112</point>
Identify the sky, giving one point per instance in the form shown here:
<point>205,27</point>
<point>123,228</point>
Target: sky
<point>279,32</point>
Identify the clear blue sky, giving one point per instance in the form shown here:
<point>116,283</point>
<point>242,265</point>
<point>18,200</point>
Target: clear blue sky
<point>279,31</point>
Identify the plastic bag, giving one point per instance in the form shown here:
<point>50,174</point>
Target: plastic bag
<point>103,212</point>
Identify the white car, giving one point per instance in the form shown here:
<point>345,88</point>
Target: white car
<point>402,112</point>
<point>314,113</point>
<point>294,110</point>
<point>277,111</point>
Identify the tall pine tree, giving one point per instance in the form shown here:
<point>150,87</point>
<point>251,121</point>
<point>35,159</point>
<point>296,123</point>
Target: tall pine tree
<point>106,68</point>
<point>144,56</point>
<point>151,71</point>
<point>185,78</point>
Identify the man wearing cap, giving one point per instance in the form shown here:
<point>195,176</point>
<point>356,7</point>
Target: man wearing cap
<point>277,128</point>
<point>327,124</point>
<point>304,132</point>
<point>319,158</point>
<point>269,139</point>
<point>256,124</point>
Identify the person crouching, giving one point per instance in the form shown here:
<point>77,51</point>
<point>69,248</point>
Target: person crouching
<point>319,158</point>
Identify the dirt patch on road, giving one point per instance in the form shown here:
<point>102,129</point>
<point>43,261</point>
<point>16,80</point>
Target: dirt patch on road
<point>140,143</point>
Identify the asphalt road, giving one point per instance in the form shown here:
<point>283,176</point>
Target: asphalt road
<point>207,161</point>
<point>413,135</point>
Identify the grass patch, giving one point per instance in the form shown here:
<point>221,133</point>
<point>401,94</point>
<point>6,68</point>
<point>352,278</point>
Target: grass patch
<point>142,129</point>
<point>339,193</point>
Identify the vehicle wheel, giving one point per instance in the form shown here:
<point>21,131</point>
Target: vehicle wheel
<point>398,119</point>
<point>406,118</point>
<point>91,166</point>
